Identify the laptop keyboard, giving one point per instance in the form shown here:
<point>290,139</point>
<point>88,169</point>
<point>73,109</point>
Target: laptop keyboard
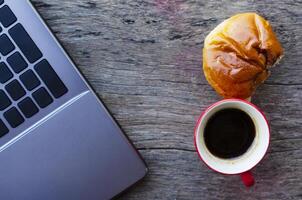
<point>29,81</point>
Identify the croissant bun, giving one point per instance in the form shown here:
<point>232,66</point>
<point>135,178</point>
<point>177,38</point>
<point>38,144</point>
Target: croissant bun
<point>238,53</point>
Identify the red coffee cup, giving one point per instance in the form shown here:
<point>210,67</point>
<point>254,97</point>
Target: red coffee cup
<point>242,164</point>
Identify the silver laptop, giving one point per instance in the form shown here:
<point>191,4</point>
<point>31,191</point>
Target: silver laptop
<point>57,140</point>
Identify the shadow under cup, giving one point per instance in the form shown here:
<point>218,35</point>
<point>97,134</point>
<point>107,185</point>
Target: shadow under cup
<point>255,152</point>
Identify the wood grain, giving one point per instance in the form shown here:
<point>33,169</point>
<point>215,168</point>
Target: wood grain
<point>144,60</point>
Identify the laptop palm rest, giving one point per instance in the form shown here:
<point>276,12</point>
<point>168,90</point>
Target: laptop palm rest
<point>79,151</point>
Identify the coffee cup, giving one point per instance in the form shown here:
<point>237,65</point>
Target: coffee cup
<point>250,153</point>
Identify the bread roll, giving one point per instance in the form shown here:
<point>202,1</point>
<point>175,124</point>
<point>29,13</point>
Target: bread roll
<point>238,53</point>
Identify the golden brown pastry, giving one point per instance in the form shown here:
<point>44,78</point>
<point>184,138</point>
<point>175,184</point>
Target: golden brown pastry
<point>238,53</point>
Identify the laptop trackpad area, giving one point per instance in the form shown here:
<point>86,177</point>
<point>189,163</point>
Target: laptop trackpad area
<point>76,153</point>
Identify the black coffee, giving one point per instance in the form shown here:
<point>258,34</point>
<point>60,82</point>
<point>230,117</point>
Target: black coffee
<point>229,133</point>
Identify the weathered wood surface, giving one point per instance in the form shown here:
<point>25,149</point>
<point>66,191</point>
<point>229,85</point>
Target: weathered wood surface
<point>144,60</point>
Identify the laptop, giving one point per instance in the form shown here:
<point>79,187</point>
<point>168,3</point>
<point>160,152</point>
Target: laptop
<point>58,141</point>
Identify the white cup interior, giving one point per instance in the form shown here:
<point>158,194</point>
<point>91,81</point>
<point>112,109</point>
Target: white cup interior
<point>255,152</point>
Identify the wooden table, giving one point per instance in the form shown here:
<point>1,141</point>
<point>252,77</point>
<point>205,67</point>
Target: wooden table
<point>144,60</point>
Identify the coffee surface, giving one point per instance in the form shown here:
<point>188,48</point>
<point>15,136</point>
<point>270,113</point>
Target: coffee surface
<point>229,133</point>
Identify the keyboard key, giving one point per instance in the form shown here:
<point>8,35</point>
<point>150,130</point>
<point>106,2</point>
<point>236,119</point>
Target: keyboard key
<point>42,97</point>
<point>28,107</point>
<point>6,46</point>
<point>3,129</point>
<point>17,62</point>
<point>13,117</point>
<point>25,43</point>
<point>4,100</point>
<point>7,17</point>
<point>50,78</point>
<point>15,90</point>
<point>30,80</point>
<point>5,73</point>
